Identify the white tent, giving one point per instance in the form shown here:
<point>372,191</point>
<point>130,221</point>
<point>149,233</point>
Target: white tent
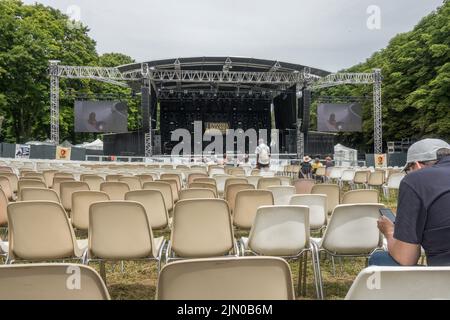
<point>344,156</point>
<point>94,145</point>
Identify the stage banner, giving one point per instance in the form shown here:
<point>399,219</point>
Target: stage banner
<point>62,153</point>
<point>380,160</point>
<point>22,151</point>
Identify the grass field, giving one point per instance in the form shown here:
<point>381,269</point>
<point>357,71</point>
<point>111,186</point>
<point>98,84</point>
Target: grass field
<point>138,281</point>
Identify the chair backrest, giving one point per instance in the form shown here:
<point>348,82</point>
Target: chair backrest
<point>280,230</point>
<point>304,186</point>
<point>348,175</point>
<point>376,178</point>
<point>254,180</point>
<point>62,175</point>
<point>202,185</point>
<point>194,175</point>
<point>49,281</point>
<point>164,188</point>
<point>13,180</point>
<point>203,180</point>
<point>6,187</point>
<point>202,228</point>
<point>335,173</point>
<point>220,182</point>
<point>6,169</point>
<point>173,186</point>
<point>3,209</point>
<point>333,194</point>
<point>212,170</point>
<point>255,172</point>
<point>33,194</point>
<point>172,176</point>
<point>247,203</point>
<point>48,177</point>
<point>244,278</point>
<point>230,181</point>
<point>113,177</point>
<point>29,183</point>
<point>265,182</point>
<point>143,178</point>
<point>394,180</point>
<point>321,171</point>
<point>115,190</point>
<point>236,171</point>
<point>281,194</point>
<point>360,196</point>
<point>153,202</point>
<point>317,204</point>
<point>120,230</point>
<point>196,193</point>
<point>57,182</point>
<point>67,188</point>
<point>81,201</point>
<point>361,177</point>
<point>232,190</point>
<point>40,230</point>
<point>353,229</point>
<point>93,181</point>
<point>134,183</point>
<point>401,283</point>
<point>285,181</point>
<point>36,175</point>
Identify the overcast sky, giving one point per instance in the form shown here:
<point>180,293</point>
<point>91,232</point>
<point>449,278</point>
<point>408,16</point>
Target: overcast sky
<point>327,34</point>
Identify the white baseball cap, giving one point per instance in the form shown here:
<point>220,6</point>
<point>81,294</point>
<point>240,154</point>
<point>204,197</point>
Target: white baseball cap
<point>424,150</point>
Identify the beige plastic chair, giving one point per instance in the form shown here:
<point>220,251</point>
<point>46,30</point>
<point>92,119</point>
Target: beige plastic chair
<point>37,175</point>
<point>247,203</point>
<point>393,183</point>
<point>201,228</point>
<point>6,187</point>
<point>3,213</point>
<point>63,175</point>
<point>134,183</point>
<point>48,177</point>
<point>6,169</point>
<point>285,181</point>
<point>317,204</point>
<point>376,179</point>
<point>361,178</point>
<point>172,176</point>
<point>281,194</point>
<point>243,278</point>
<point>13,180</point>
<point>232,190</point>
<point>165,190</point>
<point>49,281</point>
<point>196,193</point>
<point>231,181</point>
<point>401,283</point>
<point>201,185</point>
<point>282,231</point>
<point>351,232</point>
<point>304,186</point>
<point>115,190</point>
<point>155,207</point>
<point>360,196</point>
<point>321,172</point>
<point>214,169</point>
<point>29,183</point>
<point>145,178</point>
<point>195,175</point>
<point>41,231</point>
<point>254,180</point>
<point>57,182</point>
<point>236,172</point>
<point>220,182</point>
<point>173,186</point>
<point>113,177</point>
<point>332,192</point>
<point>265,182</point>
<point>120,230</point>
<point>94,181</point>
<point>204,180</point>
<point>66,189</point>
<point>34,194</point>
<point>81,201</point>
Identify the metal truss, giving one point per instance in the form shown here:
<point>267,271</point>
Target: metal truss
<point>377,113</point>
<point>337,79</point>
<point>54,101</point>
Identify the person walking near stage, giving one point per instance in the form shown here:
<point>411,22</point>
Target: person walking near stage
<point>262,155</point>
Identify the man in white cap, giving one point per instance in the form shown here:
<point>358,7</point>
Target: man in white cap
<point>423,210</point>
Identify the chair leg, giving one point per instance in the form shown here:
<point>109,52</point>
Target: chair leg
<point>305,272</point>
<point>333,266</point>
<point>300,275</point>
<point>103,271</point>
<point>315,253</point>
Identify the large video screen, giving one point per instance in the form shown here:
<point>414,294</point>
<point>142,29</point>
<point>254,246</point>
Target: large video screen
<point>339,117</point>
<point>101,116</point>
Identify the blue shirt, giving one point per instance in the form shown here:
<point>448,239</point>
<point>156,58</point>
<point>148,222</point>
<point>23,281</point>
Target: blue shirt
<point>423,212</point>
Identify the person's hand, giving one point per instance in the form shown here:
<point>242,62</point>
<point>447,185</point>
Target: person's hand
<point>385,226</point>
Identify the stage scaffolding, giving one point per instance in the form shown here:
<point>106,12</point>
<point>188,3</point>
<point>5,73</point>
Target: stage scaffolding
<point>274,78</point>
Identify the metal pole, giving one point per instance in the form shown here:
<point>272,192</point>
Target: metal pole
<point>54,101</point>
<point>377,113</point>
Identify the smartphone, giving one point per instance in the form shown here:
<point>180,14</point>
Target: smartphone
<point>388,214</point>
